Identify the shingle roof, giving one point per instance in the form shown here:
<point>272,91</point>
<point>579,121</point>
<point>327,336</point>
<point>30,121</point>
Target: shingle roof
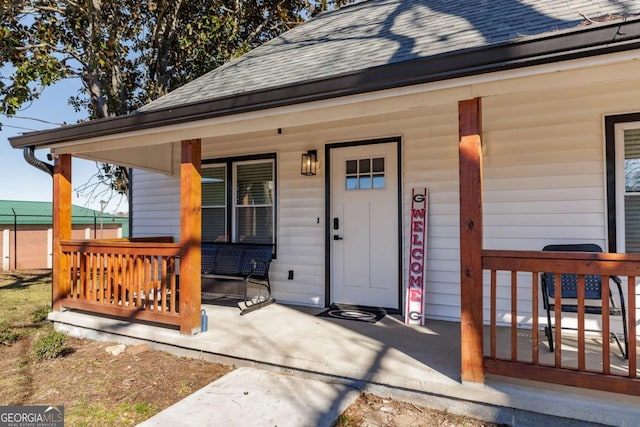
<point>26,212</point>
<point>382,32</point>
<point>377,45</point>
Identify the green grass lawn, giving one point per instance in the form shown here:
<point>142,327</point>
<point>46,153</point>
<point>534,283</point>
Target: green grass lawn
<point>25,298</point>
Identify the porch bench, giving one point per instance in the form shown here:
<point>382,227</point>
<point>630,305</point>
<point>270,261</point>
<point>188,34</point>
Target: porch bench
<point>235,266</point>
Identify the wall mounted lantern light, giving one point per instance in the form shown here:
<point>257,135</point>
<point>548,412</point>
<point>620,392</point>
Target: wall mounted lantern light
<point>309,164</point>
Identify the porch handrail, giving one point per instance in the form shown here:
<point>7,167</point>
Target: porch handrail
<point>581,264</point>
<point>130,278</point>
<point>155,245</point>
<point>601,263</point>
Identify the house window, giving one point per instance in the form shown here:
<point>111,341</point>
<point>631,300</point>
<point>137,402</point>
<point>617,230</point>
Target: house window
<point>623,182</point>
<point>628,145</point>
<point>238,200</point>
<point>214,203</point>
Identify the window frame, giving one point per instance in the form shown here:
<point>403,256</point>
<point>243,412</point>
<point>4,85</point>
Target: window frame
<point>615,179</point>
<point>230,164</point>
<point>226,196</point>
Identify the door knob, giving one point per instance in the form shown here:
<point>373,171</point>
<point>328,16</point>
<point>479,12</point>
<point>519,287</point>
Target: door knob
<point>336,237</point>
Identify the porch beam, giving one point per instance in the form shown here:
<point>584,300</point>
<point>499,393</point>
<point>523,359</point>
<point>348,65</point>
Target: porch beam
<point>190,236</point>
<point>470,164</point>
<point>61,227</point>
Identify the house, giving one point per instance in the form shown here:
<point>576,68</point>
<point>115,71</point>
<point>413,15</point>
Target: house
<point>27,233</point>
<point>520,118</point>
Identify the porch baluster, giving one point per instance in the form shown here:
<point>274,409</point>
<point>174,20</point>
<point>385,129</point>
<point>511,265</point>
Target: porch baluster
<point>535,347</point>
<point>72,274</point>
<point>557,299</point>
<point>117,277</point>
<point>83,277</point>
<point>157,274</point>
<point>606,349</point>
<point>101,272</point>
<point>163,281</point>
<point>581,324</point>
<point>173,279</point>
<point>494,311</point>
<point>92,290</point>
<point>631,297</point>
<point>514,316</point>
<point>147,279</point>
<point>109,280</point>
<point>131,276</point>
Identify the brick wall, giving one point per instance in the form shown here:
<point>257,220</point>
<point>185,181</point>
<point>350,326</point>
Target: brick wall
<point>33,251</point>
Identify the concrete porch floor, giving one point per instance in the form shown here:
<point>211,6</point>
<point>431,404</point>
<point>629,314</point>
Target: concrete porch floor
<point>388,358</point>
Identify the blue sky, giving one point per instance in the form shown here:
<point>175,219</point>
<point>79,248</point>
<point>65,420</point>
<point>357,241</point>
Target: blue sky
<point>19,180</point>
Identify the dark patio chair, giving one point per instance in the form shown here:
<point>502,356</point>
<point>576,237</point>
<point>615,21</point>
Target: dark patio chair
<point>593,291</point>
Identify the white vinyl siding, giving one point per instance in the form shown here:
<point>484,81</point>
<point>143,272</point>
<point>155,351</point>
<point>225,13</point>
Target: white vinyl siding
<point>543,160</point>
<point>156,202</point>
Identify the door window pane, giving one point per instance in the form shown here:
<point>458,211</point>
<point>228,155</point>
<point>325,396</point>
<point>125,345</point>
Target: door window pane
<point>365,166</point>
<point>365,174</point>
<point>352,166</point>
<point>378,182</point>
<point>352,183</point>
<point>378,164</point>
<point>364,182</point>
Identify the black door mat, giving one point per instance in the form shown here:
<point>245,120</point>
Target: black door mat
<point>354,312</point>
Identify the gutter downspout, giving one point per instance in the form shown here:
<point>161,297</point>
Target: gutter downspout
<point>29,157</point>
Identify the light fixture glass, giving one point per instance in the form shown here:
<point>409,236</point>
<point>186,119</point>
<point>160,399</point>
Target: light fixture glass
<point>309,163</point>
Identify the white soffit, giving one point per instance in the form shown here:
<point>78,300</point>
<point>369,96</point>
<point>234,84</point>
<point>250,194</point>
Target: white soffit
<point>156,158</point>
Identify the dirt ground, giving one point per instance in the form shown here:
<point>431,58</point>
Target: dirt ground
<point>374,411</point>
<point>101,389</point>
<point>97,388</point>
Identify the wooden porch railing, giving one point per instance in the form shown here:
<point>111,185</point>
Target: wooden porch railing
<point>129,278</point>
<point>517,263</point>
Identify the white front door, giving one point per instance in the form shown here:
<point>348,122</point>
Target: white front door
<point>364,225</point>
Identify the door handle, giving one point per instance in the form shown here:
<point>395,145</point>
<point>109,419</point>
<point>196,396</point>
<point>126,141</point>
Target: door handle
<point>336,237</point>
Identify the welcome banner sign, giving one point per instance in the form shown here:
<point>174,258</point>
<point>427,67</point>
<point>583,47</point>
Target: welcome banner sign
<point>414,310</point>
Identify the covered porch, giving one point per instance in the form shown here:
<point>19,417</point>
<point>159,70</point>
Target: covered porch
<point>159,281</point>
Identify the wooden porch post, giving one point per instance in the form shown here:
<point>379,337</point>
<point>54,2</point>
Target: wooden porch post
<point>61,227</point>
<point>190,236</point>
<point>470,152</point>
